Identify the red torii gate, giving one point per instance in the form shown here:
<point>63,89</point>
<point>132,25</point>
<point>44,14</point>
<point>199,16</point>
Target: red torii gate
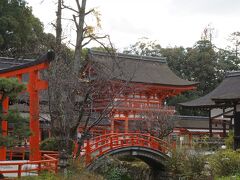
<point>34,85</point>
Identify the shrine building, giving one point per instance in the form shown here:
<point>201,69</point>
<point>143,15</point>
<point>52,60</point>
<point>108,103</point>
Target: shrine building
<point>223,106</point>
<point>149,83</point>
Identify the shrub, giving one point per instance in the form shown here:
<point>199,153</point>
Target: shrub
<point>194,166</point>
<point>49,144</point>
<point>229,140</point>
<point>175,164</point>
<point>42,176</point>
<point>117,173</point>
<point>75,171</point>
<point>225,163</point>
<point>228,178</point>
<point>187,165</point>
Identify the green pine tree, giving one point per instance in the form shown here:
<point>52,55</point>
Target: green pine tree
<point>10,87</point>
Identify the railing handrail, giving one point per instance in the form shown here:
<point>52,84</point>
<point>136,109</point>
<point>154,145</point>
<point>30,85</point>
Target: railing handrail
<point>41,165</point>
<point>101,137</point>
<point>111,141</point>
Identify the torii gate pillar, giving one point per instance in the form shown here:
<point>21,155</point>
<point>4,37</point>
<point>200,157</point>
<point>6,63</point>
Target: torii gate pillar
<point>34,116</point>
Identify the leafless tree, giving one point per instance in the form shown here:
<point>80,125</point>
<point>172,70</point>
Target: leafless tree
<point>72,94</point>
<point>74,101</point>
<point>157,123</point>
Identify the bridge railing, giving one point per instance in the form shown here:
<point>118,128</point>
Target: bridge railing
<point>100,145</point>
<point>18,152</point>
<point>48,162</point>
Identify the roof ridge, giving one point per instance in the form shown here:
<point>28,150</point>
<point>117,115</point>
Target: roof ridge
<point>130,56</point>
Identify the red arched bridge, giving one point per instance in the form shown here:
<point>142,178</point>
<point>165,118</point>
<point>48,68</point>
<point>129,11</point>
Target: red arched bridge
<point>150,149</point>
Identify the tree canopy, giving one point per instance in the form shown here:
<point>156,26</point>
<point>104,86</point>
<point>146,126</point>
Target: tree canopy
<point>204,63</point>
<point>21,33</point>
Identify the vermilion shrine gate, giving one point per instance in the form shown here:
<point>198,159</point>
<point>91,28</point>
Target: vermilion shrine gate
<point>34,85</point>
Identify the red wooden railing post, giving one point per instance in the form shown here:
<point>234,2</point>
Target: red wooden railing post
<point>117,140</point>
<point>96,142</point>
<point>56,166</point>
<point>88,152</point>
<point>111,143</point>
<point>148,138</point>
<point>19,170</point>
<point>39,168</point>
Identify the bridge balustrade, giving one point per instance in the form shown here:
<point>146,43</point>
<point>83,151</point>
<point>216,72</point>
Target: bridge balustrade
<point>48,162</point>
<point>100,145</point>
<point>131,105</point>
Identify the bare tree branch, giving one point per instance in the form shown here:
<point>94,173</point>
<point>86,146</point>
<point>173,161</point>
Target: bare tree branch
<point>75,21</point>
<point>69,8</point>
<point>90,11</point>
<point>78,5</point>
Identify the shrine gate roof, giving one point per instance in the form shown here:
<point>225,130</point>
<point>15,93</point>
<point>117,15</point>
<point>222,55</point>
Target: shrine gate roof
<point>137,69</point>
<point>13,64</point>
<point>227,90</point>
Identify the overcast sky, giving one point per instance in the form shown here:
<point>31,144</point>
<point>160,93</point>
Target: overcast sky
<point>170,22</point>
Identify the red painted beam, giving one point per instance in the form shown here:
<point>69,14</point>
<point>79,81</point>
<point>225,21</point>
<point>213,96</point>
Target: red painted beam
<point>41,85</point>
<point>25,70</point>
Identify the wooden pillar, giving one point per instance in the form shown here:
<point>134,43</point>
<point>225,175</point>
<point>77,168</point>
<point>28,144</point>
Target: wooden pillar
<point>126,123</point>
<point>3,150</point>
<point>236,128</point>
<point>148,97</point>
<point>210,124</point>
<point>224,128</point>
<point>159,100</point>
<point>231,124</point>
<point>34,117</point>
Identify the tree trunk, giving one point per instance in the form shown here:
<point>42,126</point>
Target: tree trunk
<point>80,31</point>
<point>59,26</point>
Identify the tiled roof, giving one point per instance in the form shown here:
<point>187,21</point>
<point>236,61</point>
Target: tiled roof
<point>228,89</point>
<point>138,69</point>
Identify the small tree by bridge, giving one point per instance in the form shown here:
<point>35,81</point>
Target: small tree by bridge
<point>71,91</point>
<point>157,123</point>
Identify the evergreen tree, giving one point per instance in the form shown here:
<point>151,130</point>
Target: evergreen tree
<point>10,87</point>
<point>21,33</point>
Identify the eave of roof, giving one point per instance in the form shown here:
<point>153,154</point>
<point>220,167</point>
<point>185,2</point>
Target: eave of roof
<point>224,95</point>
<point>139,69</point>
<point>17,64</point>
